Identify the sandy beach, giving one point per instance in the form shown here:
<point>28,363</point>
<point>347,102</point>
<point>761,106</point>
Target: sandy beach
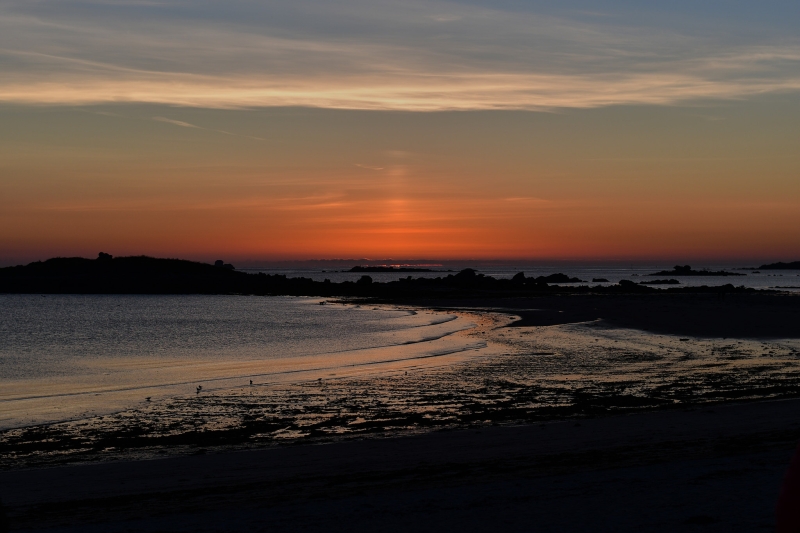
<point>708,469</point>
<point>577,424</point>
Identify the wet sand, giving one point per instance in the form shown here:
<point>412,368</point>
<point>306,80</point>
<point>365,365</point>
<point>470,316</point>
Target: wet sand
<point>533,374</point>
<point>709,469</point>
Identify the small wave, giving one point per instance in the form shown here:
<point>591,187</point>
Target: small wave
<point>430,338</point>
<point>435,337</point>
<point>427,355</point>
<point>473,346</point>
<point>436,322</point>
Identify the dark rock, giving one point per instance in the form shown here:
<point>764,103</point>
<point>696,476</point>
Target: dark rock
<point>686,270</point>
<point>794,265</point>
<point>558,278</point>
<point>467,273</point>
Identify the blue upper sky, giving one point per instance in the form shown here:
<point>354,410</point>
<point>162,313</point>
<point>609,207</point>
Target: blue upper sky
<point>407,55</point>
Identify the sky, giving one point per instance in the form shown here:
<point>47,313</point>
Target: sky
<point>263,131</point>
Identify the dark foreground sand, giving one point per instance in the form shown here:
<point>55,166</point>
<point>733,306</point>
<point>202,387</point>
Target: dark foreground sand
<point>706,469</point>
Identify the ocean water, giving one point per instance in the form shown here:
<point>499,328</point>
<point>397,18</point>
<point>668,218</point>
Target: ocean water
<point>786,280</point>
<point>66,357</point>
<point>69,357</point>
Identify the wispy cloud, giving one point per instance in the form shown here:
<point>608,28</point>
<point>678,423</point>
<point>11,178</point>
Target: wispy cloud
<point>183,124</point>
<point>416,56</point>
<point>176,122</point>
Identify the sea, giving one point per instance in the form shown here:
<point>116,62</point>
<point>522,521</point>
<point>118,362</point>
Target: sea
<point>69,357</point>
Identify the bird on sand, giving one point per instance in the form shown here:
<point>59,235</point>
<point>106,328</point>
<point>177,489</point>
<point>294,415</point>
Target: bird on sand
<point>199,388</point>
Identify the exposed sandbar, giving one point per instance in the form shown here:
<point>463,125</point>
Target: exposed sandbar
<point>745,315</point>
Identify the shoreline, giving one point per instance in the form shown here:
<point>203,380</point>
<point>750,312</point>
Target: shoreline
<point>76,440</point>
<point>533,374</point>
<point>704,425</point>
<point>434,342</point>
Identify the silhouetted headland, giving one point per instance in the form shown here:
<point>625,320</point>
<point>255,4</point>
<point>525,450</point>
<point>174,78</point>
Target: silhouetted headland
<point>148,275</point>
<point>686,270</point>
<point>794,265</point>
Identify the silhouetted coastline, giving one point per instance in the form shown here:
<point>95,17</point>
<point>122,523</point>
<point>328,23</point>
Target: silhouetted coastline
<point>148,275</point>
<point>721,311</point>
<point>794,265</point>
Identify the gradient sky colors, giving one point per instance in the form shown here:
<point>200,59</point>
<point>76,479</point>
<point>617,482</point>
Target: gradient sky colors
<point>278,130</point>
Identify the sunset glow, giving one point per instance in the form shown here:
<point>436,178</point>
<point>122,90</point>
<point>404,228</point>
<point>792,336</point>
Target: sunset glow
<point>407,130</point>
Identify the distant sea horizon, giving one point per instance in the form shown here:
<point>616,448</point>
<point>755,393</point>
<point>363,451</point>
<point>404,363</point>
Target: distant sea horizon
<point>245,263</point>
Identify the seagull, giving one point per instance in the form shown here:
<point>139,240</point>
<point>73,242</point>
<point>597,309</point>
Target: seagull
<point>199,388</point>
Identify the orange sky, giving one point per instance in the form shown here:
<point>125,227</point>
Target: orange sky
<point>603,184</point>
<point>460,129</point>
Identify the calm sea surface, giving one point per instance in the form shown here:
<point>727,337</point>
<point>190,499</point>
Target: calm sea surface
<point>69,356</point>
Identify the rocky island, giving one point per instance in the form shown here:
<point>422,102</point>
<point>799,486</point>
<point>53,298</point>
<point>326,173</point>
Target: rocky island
<point>686,270</point>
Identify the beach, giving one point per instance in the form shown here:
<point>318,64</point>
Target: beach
<point>706,469</point>
<point>562,408</point>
